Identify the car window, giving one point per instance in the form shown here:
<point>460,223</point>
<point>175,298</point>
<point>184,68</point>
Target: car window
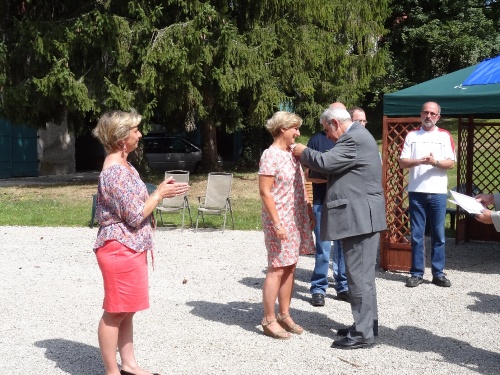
<point>176,145</point>
<point>162,145</point>
<point>155,145</point>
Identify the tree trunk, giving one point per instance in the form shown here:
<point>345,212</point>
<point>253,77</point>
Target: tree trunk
<point>56,148</point>
<point>209,148</point>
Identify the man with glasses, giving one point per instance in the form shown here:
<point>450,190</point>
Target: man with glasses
<point>358,114</point>
<point>428,153</point>
<point>319,278</point>
<point>353,212</point>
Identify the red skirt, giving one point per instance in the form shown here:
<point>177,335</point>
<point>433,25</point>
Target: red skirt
<point>125,275</point>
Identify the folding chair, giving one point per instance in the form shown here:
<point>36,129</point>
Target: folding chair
<point>92,214</point>
<point>178,203</point>
<point>216,200</point>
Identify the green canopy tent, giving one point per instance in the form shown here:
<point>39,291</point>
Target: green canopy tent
<point>478,162</point>
<point>454,98</point>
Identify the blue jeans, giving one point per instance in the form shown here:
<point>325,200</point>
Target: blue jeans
<point>339,267</point>
<point>319,277</point>
<point>427,211</point>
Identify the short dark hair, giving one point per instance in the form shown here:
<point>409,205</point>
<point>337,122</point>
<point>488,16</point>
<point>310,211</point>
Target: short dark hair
<point>354,109</point>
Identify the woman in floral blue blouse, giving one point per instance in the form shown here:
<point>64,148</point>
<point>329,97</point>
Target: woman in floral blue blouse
<point>125,235</point>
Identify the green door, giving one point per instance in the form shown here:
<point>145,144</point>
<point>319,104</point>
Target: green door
<point>5,149</point>
<point>18,151</point>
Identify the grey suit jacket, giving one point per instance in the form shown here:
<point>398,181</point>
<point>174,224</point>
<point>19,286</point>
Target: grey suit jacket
<point>354,202</point>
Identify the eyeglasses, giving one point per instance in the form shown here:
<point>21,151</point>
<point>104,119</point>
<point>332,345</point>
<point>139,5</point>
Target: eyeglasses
<point>432,114</point>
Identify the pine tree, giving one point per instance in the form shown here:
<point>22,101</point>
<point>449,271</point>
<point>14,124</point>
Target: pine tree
<point>204,64</point>
<point>429,39</point>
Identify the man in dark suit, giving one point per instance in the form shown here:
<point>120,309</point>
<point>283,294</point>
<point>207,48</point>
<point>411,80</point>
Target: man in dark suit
<point>354,212</point>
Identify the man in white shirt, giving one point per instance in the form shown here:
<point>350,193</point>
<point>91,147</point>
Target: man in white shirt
<point>428,153</point>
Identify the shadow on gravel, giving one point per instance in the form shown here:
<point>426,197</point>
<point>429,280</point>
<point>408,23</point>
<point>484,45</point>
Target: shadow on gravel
<point>475,257</point>
<point>249,315</point>
<point>485,303</point>
<point>300,292</point>
<point>304,275</point>
<point>73,357</point>
<point>453,351</point>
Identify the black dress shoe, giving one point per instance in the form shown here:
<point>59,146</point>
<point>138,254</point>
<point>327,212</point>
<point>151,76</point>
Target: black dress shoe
<point>318,299</point>
<point>343,296</point>
<point>348,343</point>
<point>345,331</point>
<point>441,281</point>
<point>414,281</point>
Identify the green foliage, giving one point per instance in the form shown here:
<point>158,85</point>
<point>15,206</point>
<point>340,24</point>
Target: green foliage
<point>199,63</point>
<point>432,38</point>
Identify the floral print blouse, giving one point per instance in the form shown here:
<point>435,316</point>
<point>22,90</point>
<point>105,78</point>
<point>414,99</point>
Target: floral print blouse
<point>121,196</point>
<point>288,192</point>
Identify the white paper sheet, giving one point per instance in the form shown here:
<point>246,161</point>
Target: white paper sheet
<point>469,204</point>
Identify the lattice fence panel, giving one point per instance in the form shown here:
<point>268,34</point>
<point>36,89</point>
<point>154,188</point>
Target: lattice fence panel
<point>396,180</point>
<point>462,158</point>
<point>461,149</point>
<point>478,171</point>
<point>485,162</point>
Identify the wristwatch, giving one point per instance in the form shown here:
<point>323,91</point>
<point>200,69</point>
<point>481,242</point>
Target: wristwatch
<point>436,164</point>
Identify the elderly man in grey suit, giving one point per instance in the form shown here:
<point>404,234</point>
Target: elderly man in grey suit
<point>354,212</point>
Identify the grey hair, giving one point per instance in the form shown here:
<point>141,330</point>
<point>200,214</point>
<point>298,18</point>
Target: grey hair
<point>336,113</point>
<point>436,103</point>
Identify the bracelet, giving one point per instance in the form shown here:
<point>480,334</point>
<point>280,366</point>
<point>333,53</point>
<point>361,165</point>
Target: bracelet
<point>157,197</point>
<point>277,227</point>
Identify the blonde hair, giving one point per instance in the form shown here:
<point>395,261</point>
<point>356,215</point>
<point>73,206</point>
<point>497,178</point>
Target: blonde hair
<point>114,127</point>
<point>282,120</point>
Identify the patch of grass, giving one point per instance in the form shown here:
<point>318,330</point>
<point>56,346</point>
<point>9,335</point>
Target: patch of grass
<point>245,201</point>
<point>246,214</point>
<point>46,206</point>
<point>71,205</point>
<point>43,212</point>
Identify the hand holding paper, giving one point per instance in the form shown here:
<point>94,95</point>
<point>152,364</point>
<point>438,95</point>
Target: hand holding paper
<point>469,204</point>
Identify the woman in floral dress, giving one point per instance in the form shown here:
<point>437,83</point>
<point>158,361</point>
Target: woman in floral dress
<point>123,211</point>
<point>287,222</point>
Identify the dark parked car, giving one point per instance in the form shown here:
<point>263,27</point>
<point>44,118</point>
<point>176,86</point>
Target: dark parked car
<point>164,152</point>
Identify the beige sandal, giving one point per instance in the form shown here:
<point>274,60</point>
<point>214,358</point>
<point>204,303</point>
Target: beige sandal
<point>280,335</point>
<point>293,329</point>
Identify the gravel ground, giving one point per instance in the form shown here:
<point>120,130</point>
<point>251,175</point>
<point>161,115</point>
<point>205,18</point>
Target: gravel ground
<point>206,309</point>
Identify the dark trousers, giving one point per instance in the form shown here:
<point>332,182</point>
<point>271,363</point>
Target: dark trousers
<point>360,254</point>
